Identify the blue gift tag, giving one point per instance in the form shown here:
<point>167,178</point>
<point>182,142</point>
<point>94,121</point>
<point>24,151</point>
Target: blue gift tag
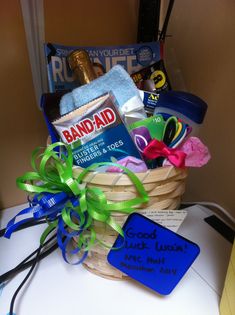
<point>152,254</point>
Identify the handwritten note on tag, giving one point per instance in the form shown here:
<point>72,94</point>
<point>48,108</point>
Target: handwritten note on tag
<point>152,254</point>
<point>171,219</point>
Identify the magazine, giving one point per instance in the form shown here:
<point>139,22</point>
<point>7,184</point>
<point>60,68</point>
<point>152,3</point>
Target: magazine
<point>131,57</point>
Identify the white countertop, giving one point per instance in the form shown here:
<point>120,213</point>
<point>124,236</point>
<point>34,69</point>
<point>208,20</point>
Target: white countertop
<point>57,288</point>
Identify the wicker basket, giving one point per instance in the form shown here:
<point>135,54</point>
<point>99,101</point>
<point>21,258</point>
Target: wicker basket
<point>164,185</point>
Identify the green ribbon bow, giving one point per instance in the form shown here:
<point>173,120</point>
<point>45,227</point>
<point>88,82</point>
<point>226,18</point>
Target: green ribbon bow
<point>54,174</point>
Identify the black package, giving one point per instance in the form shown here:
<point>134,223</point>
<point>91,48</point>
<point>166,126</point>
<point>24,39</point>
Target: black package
<point>152,78</point>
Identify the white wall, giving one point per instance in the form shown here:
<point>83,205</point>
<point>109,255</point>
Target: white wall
<point>203,44</point>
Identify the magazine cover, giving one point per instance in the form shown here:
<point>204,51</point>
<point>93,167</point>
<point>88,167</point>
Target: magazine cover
<point>131,57</point>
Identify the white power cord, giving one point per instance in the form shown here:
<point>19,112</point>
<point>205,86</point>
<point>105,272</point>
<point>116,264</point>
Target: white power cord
<point>214,205</point>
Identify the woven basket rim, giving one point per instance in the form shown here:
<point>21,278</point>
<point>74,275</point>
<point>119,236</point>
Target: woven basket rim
<point>152,175</point>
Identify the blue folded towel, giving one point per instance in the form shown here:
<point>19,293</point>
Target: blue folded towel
<point>117,80</point>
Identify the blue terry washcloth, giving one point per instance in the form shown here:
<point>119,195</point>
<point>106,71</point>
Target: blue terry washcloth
<point>117,80</point>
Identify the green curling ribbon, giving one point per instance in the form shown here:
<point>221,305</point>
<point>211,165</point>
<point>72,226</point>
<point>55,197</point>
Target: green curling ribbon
<point>53,173</point>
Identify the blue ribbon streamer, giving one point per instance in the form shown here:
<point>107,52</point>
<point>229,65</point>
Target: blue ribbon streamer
<point>49,206</point>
